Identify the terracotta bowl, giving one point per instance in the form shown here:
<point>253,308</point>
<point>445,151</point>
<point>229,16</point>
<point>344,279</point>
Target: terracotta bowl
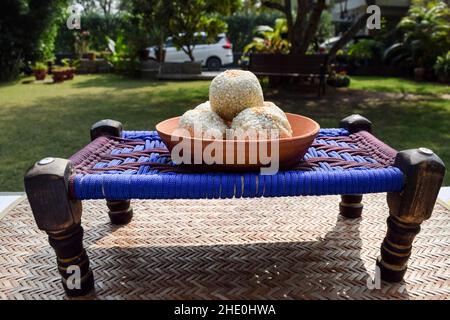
<point>236,155</point>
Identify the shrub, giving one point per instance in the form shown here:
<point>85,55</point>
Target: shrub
<point>27,33</point>
<point>241,26</point>
<point>40,66</point>
<point>122,58</point>
<point>338,80</point>
<point>442,67</point>
<point>270,40</point>
<point>98,26</point>
<point>364,49</point>
<point>71,63</point>
<point>426,35</point>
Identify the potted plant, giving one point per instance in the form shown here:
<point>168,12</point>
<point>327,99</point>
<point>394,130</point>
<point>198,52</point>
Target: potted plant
<point>338,80</point>
<point>59,74</point>
<point>40,70</point>
<point>442,68</point>
<point>70,66</point>
<point>68,73</point>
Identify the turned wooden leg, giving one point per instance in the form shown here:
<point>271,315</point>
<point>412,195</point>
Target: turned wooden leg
<point>47,188</point>
<point>120,211</point>
<point>424,172</point>
<point>73,262</point>
<point>351,206</point>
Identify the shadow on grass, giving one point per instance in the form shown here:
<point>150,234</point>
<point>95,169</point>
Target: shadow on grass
<point>116,82</point>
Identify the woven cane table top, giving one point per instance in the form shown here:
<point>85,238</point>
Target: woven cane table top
<point>279,248</point>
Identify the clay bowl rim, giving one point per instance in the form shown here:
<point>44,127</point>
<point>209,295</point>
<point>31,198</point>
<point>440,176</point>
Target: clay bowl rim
<point>309,134</point>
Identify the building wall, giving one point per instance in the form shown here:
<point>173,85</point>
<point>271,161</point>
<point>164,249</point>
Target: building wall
<point>357,7</point>
<point>391,10</point>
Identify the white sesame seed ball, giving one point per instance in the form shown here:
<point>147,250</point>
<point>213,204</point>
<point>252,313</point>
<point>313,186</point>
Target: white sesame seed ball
<point>205,106</point>
<point>207,123</point>
<point>233,91</point>
<point>263,120</point>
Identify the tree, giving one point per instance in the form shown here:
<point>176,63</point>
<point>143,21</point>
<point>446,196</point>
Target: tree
<point>105,9</point>
<point>191,17</point>
<point>351,32</point>
<point>425,35</point>
<point>241,26</point>
<point>152,17</point>
<point>184,20</point>
<point>104,6</point>
<point>303,23</point>
<point>26,32</point>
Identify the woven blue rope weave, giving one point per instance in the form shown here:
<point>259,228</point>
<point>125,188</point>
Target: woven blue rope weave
<point>138,166</point>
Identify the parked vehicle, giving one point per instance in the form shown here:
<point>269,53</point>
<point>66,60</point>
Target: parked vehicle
<point>329,43</point>
<point>211,55</point>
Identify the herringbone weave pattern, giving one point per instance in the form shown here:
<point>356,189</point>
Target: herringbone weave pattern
<point>280,248</point>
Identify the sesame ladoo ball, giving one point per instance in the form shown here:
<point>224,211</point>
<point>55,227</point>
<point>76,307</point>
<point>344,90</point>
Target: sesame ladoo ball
<point>233,91</point>
<point>207,123</point>
<point>205,106</point>
<point>263,120</point>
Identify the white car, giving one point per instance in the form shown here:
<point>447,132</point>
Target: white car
<point>211,55</point>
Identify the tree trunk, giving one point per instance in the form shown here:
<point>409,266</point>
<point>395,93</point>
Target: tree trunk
<point>289,18</point>
<point>313,25</point>
<point>191,56</point>
<point>10,65</point>
<point>297,31</point>
<point>161,48</point>
<point>190,52</point>
<point>347,36</point>
<point>300,36</point>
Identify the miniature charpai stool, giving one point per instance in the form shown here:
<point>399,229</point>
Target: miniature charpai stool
<point>121,165</point>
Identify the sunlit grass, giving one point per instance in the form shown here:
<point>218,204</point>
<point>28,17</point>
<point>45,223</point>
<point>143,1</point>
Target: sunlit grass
<point>398,85</point>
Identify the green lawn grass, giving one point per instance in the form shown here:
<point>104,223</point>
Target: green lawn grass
<point>398,85</point>
<point>38,120</point>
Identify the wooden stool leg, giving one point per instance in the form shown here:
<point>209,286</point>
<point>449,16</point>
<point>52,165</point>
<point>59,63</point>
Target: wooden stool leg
<point>120,211</point>
<point>351,206</point>
<point>73,262</point>
<point>424,172</point>
<point>55,212</point>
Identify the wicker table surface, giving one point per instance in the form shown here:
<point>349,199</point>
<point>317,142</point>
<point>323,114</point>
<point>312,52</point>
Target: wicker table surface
<point>280,248</point>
